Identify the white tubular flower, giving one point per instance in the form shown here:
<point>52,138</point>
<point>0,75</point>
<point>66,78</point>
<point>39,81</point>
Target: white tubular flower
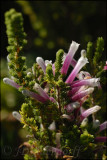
<point>92,82</point>
<point>68,58</point>
<point>81,94</point>
<point>54,150</point>
<point>103,126</point>
<point>33,95</point>
<point>52,126</point>
<point>8,60</point>
<point>29,73</point>
<point>89,111</point>
<point>96,123</point>
<point>48,62</point>
<point>41,63</point>
<point>84,122</point>
<point>11,83</point>
<point>38,88</point>
<point>41,126</point>
<point>65,116</point>
<point>70,107</point>
<point>81,62</point>
<point>17,115</point>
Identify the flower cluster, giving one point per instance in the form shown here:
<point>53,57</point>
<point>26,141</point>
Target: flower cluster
<point>53,110</point>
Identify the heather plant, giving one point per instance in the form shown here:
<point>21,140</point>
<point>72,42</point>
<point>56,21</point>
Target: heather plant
<point>60,105</point>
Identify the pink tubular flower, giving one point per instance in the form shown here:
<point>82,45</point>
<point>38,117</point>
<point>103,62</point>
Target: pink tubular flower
<point>101,139</point>
<point>58,152</point>
<point>81,62</point>
<point>41,92</point>
<point>73,91</point>
<point>11,83</point>
<point>90,82</point>
<point>70,107</point>
<point>105,67</point>
<point>89,111</point>
<point>103,126</point>
<point>81,94</point>
<point>52,100</point>
<point>68,59</point>
<point>53,68</point>
<point>34,95</point>
<point>73,62</point>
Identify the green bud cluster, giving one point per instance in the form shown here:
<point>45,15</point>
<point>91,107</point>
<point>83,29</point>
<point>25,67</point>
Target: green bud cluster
<point>49,73</point>
<point>58,62</point>
<point>16,40</point>
<point>99,50</point>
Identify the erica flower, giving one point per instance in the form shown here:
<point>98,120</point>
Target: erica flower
<point>103,126</point>
<point>11,83</point>
<point>105,67</point>
<point>17,115</point>
<point>81,62</point>
<point>101,139</point>
<point>58,152</point>
<point>41,91</point>
<point>92,82</point>
<point>34,95</point>
<point>70,107</point>
<point>96,123</point>
<point>73,48</point>
<point>81,94</point>
<point>43,63</point>
<point>89,111</point>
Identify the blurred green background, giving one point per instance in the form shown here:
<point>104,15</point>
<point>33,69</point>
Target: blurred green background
<point>50,25</point>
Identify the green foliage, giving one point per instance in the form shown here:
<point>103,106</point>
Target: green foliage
<point>58,62</point>
<point>49,73</point>
<point>16,40</point>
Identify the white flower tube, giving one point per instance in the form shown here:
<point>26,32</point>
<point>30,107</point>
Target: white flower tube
<point>81,94</point>
<point>89,111</point>
<point>52,126</point>
<point>90,82</point>
<point>48,62</point>
<point>17,115</point>
<point>96,123</point>
<point>33,95</point>
<point>84,122</point>
<point>38,88</point>
<point>73,48</point>
<point>81,62</point>
<point>70,107</point>
<point>58,152</point>
<point>11,83</point>
<point>103,126</point>
<point>41,63</point>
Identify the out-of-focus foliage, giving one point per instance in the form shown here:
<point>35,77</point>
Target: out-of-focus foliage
<point>57,22</point>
